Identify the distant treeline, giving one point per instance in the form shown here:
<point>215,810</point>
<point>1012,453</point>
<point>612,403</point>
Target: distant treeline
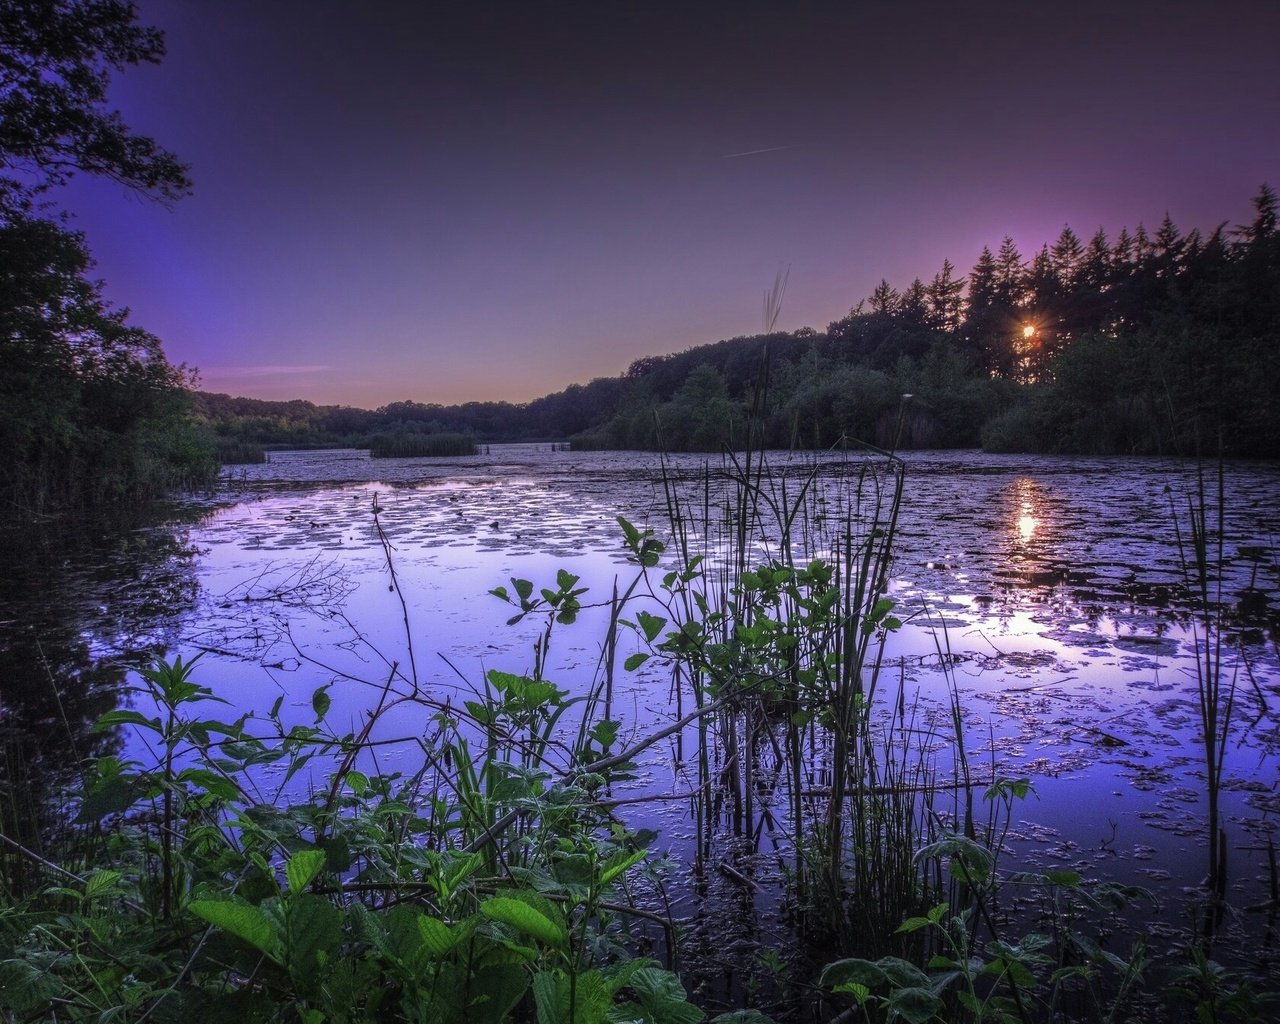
<point>1144,344</point>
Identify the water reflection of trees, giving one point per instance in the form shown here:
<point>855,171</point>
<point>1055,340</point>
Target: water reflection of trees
<point>79,607</point>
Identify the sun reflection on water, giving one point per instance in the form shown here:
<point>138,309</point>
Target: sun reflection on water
<point>1029,510</point>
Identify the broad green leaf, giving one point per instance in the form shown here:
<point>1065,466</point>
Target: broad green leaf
<point>101,883</point>
<point>241,920</point>
<point>501,987</point>
<point>211,782</point>
<point>437,937</point>
<point>26,989</point>
<point>519,914</point>
<point>859,992</point>
<point>902,973</point>
<point>111,796</point>
<point>852,971</point>
<point>650,625</point>
<point>619,863</point>
<point>914,1005</point>
<point>663,997</point>
<point>605,732</point>
<point>635,661</point>
<point>590,998</point>
<point>303,867</point>
<point>629,531</point>
<point>320,702</point>
<point>125,717</point>
<point>576,874</point>
<point>313,933</point>
<point>552,1007</point>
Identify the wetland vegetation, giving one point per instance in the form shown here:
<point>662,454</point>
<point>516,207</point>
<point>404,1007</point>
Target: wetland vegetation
<point>384,833</point>
<point>582,736</point>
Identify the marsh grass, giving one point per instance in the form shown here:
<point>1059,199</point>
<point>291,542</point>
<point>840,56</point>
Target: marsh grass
<point>1200,530</point>
<point>416,445</point>
<point>233,452</point>
<point>779,616</point>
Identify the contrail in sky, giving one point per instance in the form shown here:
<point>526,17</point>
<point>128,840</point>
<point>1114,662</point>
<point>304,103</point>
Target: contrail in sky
<point>756,152</point>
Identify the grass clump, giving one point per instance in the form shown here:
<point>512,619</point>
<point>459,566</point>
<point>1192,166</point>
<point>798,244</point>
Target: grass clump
<point>234,452</point>
<point>416,445</point>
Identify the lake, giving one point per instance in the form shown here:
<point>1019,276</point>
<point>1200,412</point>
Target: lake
<point>1046,593</point>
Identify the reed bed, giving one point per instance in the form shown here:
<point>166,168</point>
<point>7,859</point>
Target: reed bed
<point>414,446</point>
<point>231,452</point>
<point>780,617</point>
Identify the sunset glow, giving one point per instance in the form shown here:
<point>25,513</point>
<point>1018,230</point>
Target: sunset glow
<point>424,202</point>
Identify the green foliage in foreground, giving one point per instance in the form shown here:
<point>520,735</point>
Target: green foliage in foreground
<point>377,898</point>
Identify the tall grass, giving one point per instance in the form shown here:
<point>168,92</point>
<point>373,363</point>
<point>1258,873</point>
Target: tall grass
<point>1201,537</point>
<point>234,452</point>
<point>781,615</point>
<point>414,445</point>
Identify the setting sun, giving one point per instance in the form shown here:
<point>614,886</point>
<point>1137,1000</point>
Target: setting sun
<point>1028,330</point>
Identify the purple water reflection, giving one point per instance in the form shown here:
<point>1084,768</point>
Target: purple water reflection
<point>1054,584</point>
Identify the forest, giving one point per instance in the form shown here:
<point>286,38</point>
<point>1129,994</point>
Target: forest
<point>1145,344</point>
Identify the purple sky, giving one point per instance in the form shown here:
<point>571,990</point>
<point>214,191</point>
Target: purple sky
<point>447,202</point>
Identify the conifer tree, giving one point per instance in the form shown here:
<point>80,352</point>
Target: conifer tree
<point>946,299</point>
<point>1010,275</point>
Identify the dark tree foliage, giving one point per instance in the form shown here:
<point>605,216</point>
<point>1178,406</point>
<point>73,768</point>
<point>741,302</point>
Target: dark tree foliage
<point>1148,344</point>
<point>56,60</point>
<point>90,410</point>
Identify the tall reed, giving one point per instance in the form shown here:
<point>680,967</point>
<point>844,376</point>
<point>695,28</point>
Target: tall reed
<point>1201,536</point>
<point>415,445</point>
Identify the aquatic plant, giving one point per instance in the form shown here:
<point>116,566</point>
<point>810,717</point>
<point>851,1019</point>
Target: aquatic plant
<point>233,452</point>
<point>413,445</point>
<point>1055,972</point>
<point>1201,537</point>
